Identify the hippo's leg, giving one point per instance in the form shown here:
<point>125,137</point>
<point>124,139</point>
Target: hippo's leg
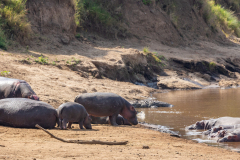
<point>113,119</point>
<point>81,124</point>
<point>60,123</point>
<point>69,125</point>
<point>64,123</point>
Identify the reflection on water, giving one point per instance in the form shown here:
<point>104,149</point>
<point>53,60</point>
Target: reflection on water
<point>192,106</point>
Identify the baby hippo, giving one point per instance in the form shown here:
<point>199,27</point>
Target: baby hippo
<point>73,112</point>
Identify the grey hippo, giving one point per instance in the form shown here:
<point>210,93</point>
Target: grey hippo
<point>225,129</point>
<point>10,88</point>
<point>100,104</point>
<point>71,112</point>
<point>26,113</point>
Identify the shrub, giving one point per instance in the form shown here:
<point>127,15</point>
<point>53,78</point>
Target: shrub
<point>145,50</point>
<point>5,73</point>
<point>42,60</point>
<point>13,19</point>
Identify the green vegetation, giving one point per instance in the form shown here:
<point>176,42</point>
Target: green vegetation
<point>5,73</point>
<point>42,60</point>
<point>147,2</point>
<point>13,19</point>
<point>145,50</point>
<point>212,66</point>
<point>99,15</point>
<point>218,17</point>
<point>94,12</point>
<point>3,41</point>
<point>78,35</point>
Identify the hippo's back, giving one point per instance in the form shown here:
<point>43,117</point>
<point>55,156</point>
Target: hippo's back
<point>23,112</point>
<point>101,104</point>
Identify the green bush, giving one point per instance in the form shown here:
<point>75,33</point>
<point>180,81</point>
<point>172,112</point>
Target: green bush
<point>13,19</point>
<point>100,16</point>
<point>93,11</point>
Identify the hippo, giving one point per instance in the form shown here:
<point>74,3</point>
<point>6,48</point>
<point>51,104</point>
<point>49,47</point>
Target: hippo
<point>26,113</point>
<point>10,88</point>
<point>71,112</point>
<point>230,136</point>
<point>224,129</point>
<point>105,120</point>
<point>209,124</point>
<point>100,104</point>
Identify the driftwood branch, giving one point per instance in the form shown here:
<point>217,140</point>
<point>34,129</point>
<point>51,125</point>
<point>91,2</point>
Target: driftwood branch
<point>81,141</point>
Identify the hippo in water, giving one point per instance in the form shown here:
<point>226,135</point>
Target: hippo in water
<point>105,120</point>
<point>108,104</point>
<point>225,129</point>
<point>26,113</point>
<point>10,88</point>
<point>209,124</point>
<point>71,112</point>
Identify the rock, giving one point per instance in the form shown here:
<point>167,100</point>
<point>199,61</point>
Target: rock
<point>65,39</point>
<point>149,103</point>
<point>177,83</point>
<point>145,147</point>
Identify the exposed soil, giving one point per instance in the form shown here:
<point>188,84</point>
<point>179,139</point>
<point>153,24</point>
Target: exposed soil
<point>35,144</point>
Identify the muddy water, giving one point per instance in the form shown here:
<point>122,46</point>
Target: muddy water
<point>192,106</point>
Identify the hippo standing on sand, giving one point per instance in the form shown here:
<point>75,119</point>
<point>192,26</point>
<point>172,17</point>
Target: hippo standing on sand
<point>10,88</point>
<point>108,104</point>
<point>73,112</point>
<point>26,113</point>
<point>225,129</point>
<point>105,120</point>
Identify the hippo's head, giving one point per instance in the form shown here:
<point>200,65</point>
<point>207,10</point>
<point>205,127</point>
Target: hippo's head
<point>204,124</point>
<point>232,136</point>
<point>24,90</point>
<point>130,114</point>
<point>87,122</point>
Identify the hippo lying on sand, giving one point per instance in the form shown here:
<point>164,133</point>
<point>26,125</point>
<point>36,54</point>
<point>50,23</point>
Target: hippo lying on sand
<point>105,120</point>
<point>226,129</point>
<point>26,113</point>
<point>108,104</point>
<point>10,88</point>
<point>73,112</point>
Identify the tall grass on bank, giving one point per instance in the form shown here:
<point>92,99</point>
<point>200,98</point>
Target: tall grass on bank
<point>217,16</point>
<point>13,19</point>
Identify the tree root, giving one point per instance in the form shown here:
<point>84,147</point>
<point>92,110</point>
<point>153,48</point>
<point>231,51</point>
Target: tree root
<point>82,141</point>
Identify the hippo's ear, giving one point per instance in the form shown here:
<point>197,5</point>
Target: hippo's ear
<point>132,108</point>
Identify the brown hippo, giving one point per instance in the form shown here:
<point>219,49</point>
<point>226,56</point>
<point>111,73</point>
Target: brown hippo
<point>10,88</point>
<point>26,113</point>
<point>71,112</point>
<point>108,104</point>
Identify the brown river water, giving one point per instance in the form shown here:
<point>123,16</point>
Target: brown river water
<point>192,106</point>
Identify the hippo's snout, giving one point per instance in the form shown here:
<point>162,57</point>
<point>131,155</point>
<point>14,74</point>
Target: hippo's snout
<point>134,122</point>
<point>225,139</point>
<point>34,97</point>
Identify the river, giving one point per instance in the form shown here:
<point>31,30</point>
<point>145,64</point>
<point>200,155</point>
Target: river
<point>195,105</point>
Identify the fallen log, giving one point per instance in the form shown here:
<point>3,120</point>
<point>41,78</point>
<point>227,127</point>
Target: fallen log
<point>82,141</point>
